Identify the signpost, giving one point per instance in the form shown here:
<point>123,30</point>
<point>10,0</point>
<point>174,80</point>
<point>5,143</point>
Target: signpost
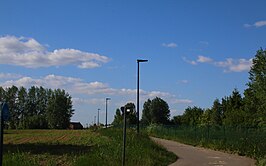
<point>4,116</point>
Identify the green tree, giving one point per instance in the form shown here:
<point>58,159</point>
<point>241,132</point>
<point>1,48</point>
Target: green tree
<point>252,116</point>
<point>131,115</point>
<point>233,109</point>
<point>216,113</point>
<point>192,116</point>
<point>42,100</point>
<point>146,115</point>
<point>205,118</point>
<point>31,109</point>
<point>226,108</point>
<point>22,100</point>
<point>30,113</point>
<point>11,99</point>
<point>2,94</point>
<point>118,118</point>
<point>156,111</point>
<point>177,120</point>
<point>31,102</point>
<point>59,110</point>
<point>255,95</point>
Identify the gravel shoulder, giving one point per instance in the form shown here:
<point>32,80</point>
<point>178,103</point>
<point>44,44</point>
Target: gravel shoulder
<point>190,155</point>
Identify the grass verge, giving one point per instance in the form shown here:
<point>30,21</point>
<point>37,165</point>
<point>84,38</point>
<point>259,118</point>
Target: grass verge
<point>81,147</point>
<point>251,143</point>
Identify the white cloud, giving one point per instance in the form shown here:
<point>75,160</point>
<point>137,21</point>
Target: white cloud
<point>247,25</point>
<point>71,84</point>
<point>160,94</point>
<point>93,101</point>
<point>169,45</point>
<point>183,81</point>
<point>229,65</point>
<point>189,61</point>
<point>203,59</point>
<point>124,91</point>
<point>232,65</point>
<point>28,52</point>
<point>182,101</point>
<point>91,90</point>
<point>78,86</point>
<point>256,24</point>
<point>9,76</point>
<point>200,59</point>
<point>260,24</point>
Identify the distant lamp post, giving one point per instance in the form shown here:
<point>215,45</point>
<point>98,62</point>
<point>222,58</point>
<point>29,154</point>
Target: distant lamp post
<point>98,122</point>
<point>106,99</point>
<point>138,61</point>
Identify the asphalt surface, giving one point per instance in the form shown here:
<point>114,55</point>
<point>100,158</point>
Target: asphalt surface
<point>197,156</point>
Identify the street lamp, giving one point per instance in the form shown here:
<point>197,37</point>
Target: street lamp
<point>125,110</point>
<point>138,61</point>
<point>106,99</point>
<point>98,117</point>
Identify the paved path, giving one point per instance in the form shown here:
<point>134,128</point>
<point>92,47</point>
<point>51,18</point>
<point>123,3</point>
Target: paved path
<point>196,156</point>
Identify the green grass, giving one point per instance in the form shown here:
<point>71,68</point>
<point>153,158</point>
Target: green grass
<point>80,147</point>
<point>140,150</point>
<point>243,141</point>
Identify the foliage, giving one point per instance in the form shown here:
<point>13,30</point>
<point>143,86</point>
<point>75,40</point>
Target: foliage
<point>131,115</point>
<point>216,113</point>
<point>233,111</point>
<point>59,110</point>
<point>37,108</point>
<point>177,120</point>
<point>191,116</point>
<point>118,119</point>
<point>255,95</point>
<point>146,115</point>
<point>156,111</point>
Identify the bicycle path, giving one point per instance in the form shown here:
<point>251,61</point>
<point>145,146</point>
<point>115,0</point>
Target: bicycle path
<point>197,156</point>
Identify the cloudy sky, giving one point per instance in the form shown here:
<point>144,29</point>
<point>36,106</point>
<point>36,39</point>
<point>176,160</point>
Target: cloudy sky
<point>197,50</point>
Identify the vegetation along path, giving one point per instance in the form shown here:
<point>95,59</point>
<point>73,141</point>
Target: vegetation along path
<point>190,155</point>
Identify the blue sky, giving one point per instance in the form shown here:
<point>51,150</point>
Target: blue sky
<point>197,50</point>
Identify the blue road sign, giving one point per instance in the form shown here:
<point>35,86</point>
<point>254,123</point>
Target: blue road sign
<point>5,112</point>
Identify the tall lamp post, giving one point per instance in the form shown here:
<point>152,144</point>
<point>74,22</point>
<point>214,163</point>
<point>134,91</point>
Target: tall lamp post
<point>106,99</point>
<point>98,123</point>
<point>138,61</point>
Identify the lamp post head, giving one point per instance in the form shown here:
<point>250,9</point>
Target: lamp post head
<point>142,60</point>
<point>108,98</point>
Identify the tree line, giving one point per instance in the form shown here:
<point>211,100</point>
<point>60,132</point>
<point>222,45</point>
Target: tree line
<point>37,107</point>
<point>233,110</point>
<point>154,111</point>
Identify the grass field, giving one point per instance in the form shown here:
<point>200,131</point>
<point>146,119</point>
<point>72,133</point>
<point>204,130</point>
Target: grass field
<point>80,147</point>
<point>243,141</point>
